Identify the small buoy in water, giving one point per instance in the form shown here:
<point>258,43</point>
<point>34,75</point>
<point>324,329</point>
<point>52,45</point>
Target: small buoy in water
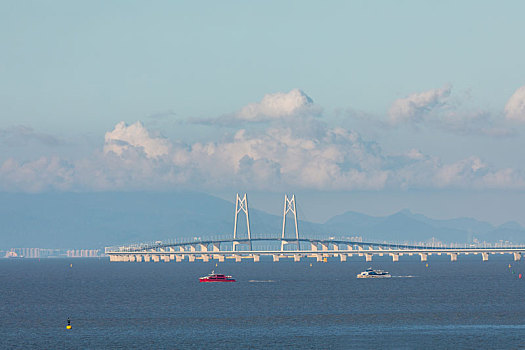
<point>325,260</point>
<point>70,265</point>
<point>510,266</point>
<point>310,264</point>
<point>68,323</point>
<point>426,265</point>
<point>519,276</point>
<point>215,264</point>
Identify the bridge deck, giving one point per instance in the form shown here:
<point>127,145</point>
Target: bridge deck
<point>318,248</point>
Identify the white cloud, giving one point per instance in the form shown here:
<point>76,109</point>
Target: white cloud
<point>273,107</point>
<point>273,159</point>
<point>414,107</point>
<point>458,173</point>
<point>124,137</point>
<point>276,105</point>
<point>515,107</point>
<point>436,110</point>
<point>277,156</point>
<point>36,176</point>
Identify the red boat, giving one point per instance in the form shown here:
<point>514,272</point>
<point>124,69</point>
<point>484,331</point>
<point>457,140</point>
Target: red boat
<point>216,277</point>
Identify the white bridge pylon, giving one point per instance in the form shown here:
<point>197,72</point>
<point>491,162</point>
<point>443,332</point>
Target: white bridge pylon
<point>241,205</point>
<point>289,207</point>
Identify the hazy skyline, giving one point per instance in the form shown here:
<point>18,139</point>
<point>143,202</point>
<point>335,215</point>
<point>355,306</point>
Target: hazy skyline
<point>371,107</point>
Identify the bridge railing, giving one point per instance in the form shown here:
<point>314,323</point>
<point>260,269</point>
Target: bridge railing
<point>344,239</point>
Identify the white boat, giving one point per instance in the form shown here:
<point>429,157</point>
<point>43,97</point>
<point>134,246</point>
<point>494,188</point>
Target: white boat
<point>371,273</point>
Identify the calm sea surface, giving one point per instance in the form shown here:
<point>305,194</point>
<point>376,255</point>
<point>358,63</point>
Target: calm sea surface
<point>467,304</point>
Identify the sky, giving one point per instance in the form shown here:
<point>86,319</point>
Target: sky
<point>372,106</point>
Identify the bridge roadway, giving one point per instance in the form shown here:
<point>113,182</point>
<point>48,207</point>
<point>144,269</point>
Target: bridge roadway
<point>319,249</point>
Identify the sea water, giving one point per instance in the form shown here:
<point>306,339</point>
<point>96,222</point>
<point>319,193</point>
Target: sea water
<point>283,305</point>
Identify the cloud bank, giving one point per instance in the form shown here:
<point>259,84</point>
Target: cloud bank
<point>294,150</point>
<point>417,105</point>
<point>439,110</point>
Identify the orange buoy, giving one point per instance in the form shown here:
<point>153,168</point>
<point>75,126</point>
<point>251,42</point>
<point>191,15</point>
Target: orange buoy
<point>519,276</point>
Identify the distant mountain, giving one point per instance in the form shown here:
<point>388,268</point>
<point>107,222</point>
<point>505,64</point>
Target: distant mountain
<point>94,220</point>
<point>401,226</point>
<point>64,220</point>
<point>407,226</point>
<point>84,220</point>
<point>509,231</point>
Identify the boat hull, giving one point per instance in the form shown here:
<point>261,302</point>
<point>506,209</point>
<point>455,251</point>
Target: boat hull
<point>210,280</point>
<point>374,276</point>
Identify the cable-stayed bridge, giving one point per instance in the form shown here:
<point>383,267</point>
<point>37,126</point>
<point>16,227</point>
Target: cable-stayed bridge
<point>294,247</point>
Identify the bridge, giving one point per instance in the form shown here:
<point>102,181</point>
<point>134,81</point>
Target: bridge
<point>277,248</point>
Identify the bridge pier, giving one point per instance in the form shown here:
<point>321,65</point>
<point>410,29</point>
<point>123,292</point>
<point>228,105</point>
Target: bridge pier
<point>423,256</point>
<point>379,248</point>
<point>343,257</point>
<point>147,258</point>
<point>155,258</point>
<point>178,258</point>
<point>191,258</point>
<point>368,257</point>
<point>395,257</point>
<point>238,258</point>
<point>256,257</point>
<point>138,258</point>
<point>275,257</point>
<point>517,256</point>
<point>485,256</point>
<point>296,258</point>
<point>453,256</point>
<point>165,258</point>
<point>205,258</point>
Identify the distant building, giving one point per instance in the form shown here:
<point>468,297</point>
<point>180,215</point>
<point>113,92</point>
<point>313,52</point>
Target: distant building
<point>37,253</point>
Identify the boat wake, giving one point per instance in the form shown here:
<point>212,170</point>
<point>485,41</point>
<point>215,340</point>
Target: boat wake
<point>261,281</point>
<point>408,276</point>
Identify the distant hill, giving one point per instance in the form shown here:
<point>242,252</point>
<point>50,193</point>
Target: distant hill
<point>62,220</point>
<point>407,226</point>
<point>94,220</point>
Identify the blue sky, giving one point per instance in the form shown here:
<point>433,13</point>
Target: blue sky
<point>378,98</point>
